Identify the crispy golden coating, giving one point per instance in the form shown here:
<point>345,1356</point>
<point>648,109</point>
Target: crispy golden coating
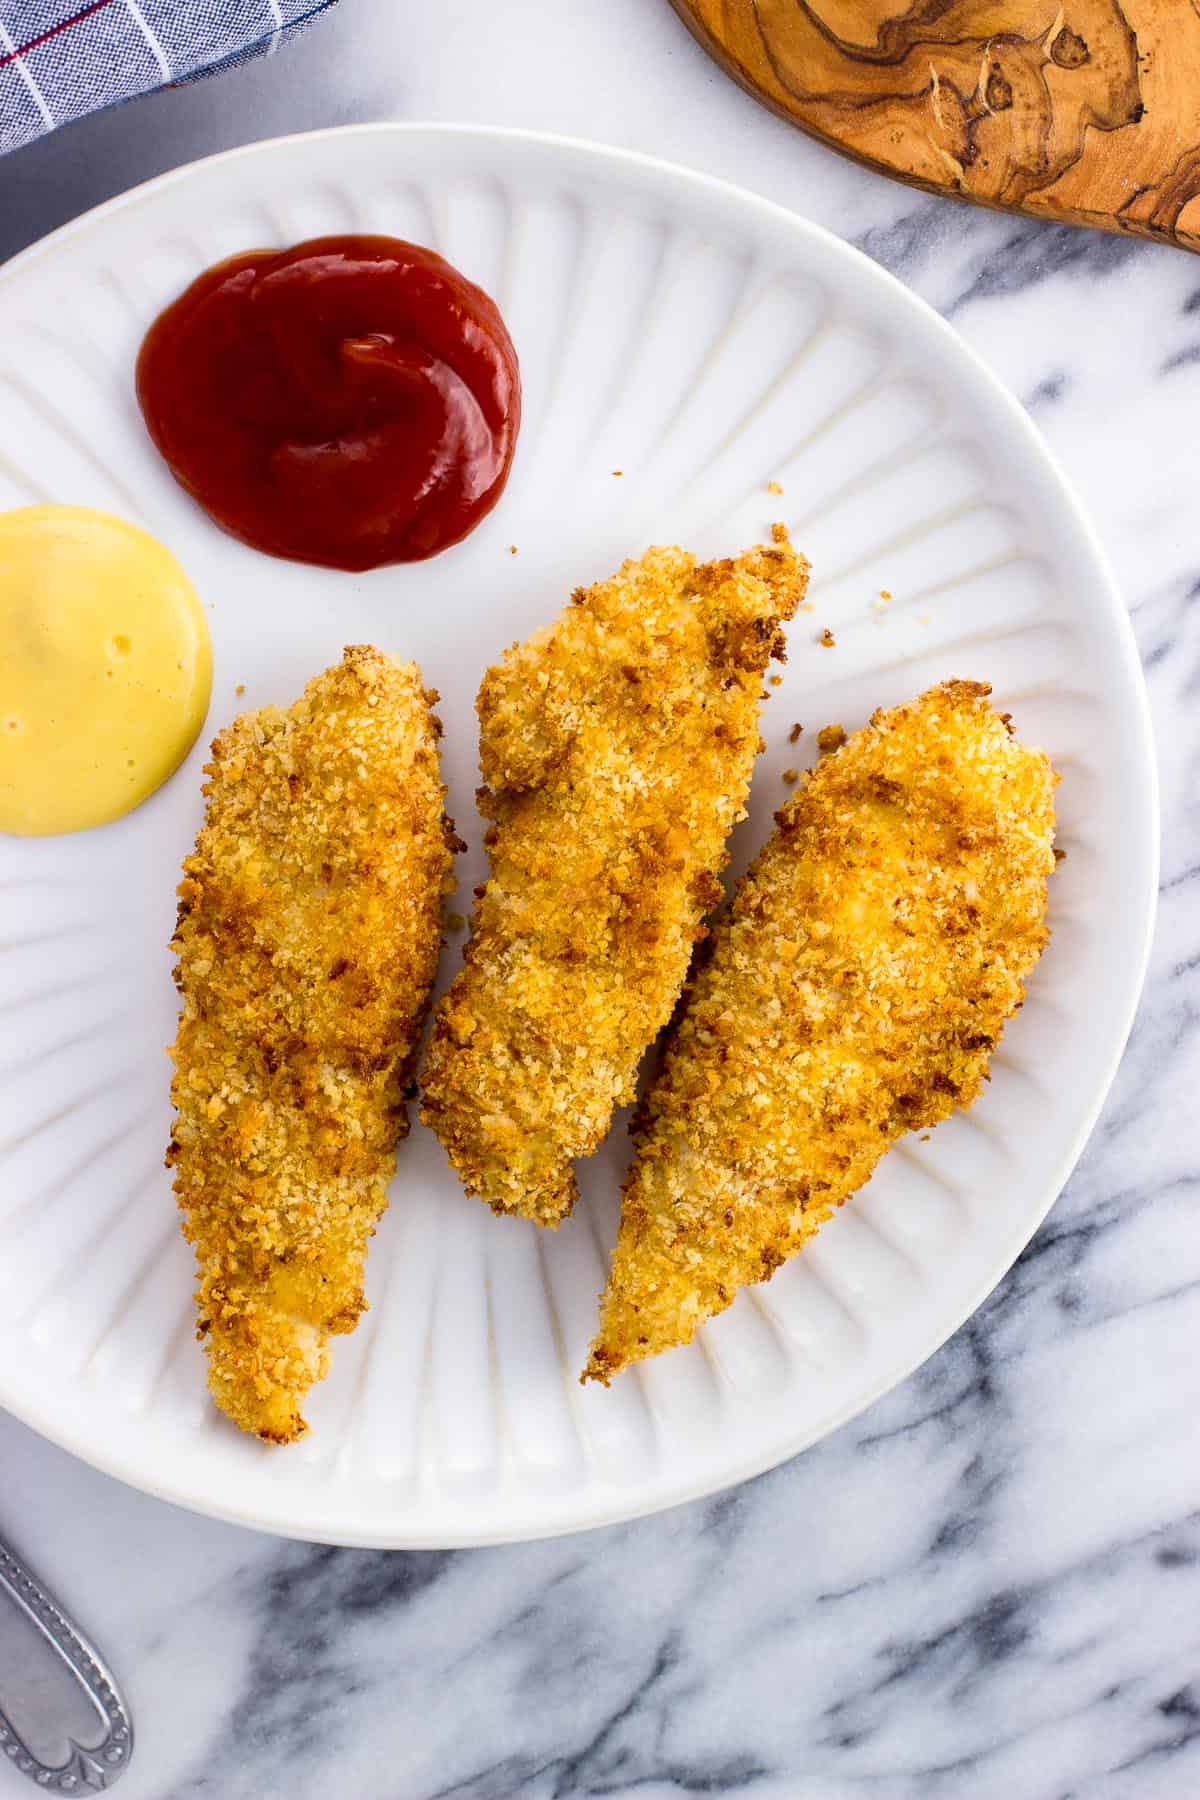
<point>308,937</point>
<point>855,991</point>
<point>617,746</point>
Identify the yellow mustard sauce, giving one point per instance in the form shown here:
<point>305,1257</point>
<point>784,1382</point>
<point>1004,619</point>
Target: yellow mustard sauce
<point>105,668</point>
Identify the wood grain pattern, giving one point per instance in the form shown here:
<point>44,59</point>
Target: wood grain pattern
<point>1086,111</point>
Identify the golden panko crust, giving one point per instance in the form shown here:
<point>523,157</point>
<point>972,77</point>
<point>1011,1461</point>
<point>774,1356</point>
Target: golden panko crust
<point>308,937</point>
<point>617,746</point>
<point>854,992</point>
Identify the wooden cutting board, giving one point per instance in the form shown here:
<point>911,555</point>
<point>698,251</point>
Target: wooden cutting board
<point>1088,111</point>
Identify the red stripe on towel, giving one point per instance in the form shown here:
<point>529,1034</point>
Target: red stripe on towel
<point>44,37</point>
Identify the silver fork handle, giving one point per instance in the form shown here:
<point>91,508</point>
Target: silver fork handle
<point>97,1766</point>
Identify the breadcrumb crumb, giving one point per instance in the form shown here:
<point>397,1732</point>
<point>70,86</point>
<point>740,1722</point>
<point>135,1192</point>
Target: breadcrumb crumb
<point>774,487</point>
<point>307,938</point>
<point>791,776</point>
<point>830,738</point>
<point>794,733</point>
<point>617,746</point>
<point>855,992</point>
<point>828,639</point>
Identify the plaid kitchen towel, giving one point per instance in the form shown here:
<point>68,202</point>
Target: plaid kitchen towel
<point>60,59</point>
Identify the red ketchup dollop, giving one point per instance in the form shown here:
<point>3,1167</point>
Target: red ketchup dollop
<point>353,401</point>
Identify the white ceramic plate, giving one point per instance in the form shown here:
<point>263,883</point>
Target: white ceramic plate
<point>704,343</point>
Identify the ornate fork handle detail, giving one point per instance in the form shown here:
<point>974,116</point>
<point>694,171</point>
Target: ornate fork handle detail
<point>93,1769</point>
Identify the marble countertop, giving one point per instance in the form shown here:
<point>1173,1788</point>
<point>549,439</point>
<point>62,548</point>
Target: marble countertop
<point>989,1585</point>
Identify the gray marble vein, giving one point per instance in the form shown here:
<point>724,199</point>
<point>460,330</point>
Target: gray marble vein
<point>987,1586</point>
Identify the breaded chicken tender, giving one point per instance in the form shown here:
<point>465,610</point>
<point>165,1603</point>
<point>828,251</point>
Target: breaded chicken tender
<point>855,991</point>
<point>308,936</point>
<point>617,746</point>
